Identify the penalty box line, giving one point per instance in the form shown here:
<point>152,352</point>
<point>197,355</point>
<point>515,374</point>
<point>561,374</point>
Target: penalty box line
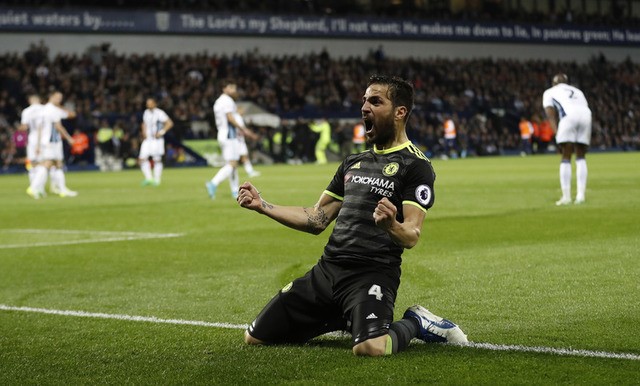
<point>484,346</point>
<point>103,237</point>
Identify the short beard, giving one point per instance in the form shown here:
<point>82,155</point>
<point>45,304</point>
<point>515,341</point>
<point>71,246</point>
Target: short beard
<point>383,133</point>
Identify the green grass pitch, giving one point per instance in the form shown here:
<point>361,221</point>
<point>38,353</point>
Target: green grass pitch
<point>496,256</point>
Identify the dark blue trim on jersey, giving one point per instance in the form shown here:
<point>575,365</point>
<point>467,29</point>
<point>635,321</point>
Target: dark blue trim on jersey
<point>55,134</point>
<point>232,132</point>
<point>558,107</point>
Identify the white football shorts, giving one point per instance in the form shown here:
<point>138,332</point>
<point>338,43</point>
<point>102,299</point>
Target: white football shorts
<point>242,147</point>
<point>151,148</point>
<point>575,128</point>
<point>31,151</point>
<point>51,151</point>
<point>230,149</point>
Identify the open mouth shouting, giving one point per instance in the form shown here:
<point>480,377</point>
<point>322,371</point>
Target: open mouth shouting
<point>368,125</point>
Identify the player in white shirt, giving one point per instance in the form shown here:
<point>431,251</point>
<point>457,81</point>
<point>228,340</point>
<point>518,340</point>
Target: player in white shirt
<point>243,150</point>
<point>29,120</point>
<point>155,124</point>
<point>54,112</point>
<point>49,149</point>
<point>570,117</point>
<point>229,129</point>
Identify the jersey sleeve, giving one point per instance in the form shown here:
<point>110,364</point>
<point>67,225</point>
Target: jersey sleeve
<point>418,186</point>
<point>336,186</point>
<point>62,114</point>
<point>24,117</point>
<point>54,114</point>
<point>226,106</point>
<point>162,116</point>
<point>547,99</point>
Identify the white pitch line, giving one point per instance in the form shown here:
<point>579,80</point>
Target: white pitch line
<point>133,318</point>
<point>485,346</point>
<point>110,236</point>
<point>74,231</point>
<point>556,351</point>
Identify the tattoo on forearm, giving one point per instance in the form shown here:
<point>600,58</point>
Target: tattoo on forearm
<point>266,205</point>
<point>317,219</point>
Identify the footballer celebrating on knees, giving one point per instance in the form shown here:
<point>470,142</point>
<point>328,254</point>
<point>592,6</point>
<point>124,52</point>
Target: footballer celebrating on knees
<point>378,200</point>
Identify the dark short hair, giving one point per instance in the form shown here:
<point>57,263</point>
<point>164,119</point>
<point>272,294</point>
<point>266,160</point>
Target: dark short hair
<point>226,82</point>
<point>400,90</point>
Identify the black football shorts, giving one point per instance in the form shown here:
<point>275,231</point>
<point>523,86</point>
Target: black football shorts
<point>331,297</point>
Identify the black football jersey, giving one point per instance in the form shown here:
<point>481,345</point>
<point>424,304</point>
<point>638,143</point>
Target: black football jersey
<point>402,174</point>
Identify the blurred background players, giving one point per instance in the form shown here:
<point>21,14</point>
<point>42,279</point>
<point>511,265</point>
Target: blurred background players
<point>570,117</point>
<point>155,124</point>
<point>29,120</point>
<point>243,150</point>
<point>54,113</point>
<point>49,150</point>
<point>229,130</point>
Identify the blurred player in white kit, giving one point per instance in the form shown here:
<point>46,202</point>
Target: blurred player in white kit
<point>29,120</point>
<point>155,124</point>
<point>230,129</point>
<point>48,151</point>
<point>570,117</point>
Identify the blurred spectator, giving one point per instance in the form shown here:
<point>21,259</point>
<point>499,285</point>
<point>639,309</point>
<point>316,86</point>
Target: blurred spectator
<point>300,142</point>
<point>358,138</point>
<point>323,129</point>
<point>526,136</point>
<point>19,147</point>
<point>105,139</point>
<point>107,149</point>
<point>545,135</point>
<point>7,148</point>
<point>450,138</point>
<point>171,154</point>
<point>80,148</point>
<point>343,137</point>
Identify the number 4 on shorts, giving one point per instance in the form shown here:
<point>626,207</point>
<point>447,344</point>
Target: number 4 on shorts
<point>376,291</point>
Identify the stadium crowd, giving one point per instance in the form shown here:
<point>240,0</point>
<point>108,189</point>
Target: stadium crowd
<point>485,97</point>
